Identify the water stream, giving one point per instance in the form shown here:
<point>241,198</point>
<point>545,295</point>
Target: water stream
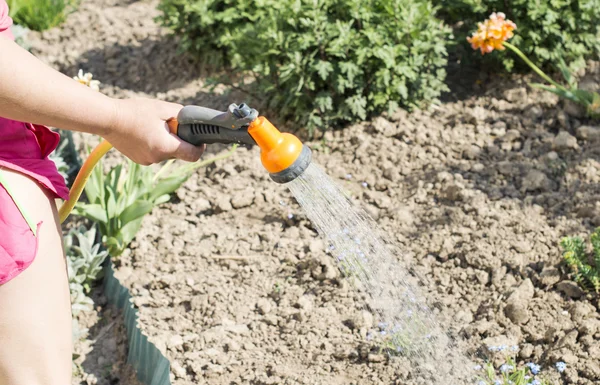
<point>407,326</point>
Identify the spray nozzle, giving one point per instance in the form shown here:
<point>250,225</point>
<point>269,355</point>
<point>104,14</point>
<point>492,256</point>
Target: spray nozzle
<point>282,154</point>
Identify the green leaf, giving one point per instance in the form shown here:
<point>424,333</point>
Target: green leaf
<point>324,68</point>
<point>135,211</point>
<point>94,212</point>
<point>167,186</point>
<point>128,232</point>
<point>563,94</point>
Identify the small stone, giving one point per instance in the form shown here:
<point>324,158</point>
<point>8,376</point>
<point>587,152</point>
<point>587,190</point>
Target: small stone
<point>516,304</point>
<point>223,204</point>
<point>516,95</point>
<point>242,199</point>
<point>201,204</point>
<point>316,246</point>
<point>175,341</point>
<point>563,120</point>
<point>522,246</point>
<point>263,306</point>
<point>177,369</point>
<point>574,109</point>
<point>190,282</point>
<point>392,174</point>
<point>564,141</point>
<point>511,135</point>
<point>499,128</point>
<point>570,289</point>
<point>549,276</point>
<point>580,310</point>
<point>517,312</point>
<point>551,156</point>
<point>453,192</point>
<point>591,370</point>
<point>588,132</point>
<point>590,326</point>
<point>304,303</point>
<point>526,351</point>
<point>534,112</point>
<point>471,152</point>
<point>375,357</point>
<point>478,167</point>
<point>372,211</point>
<point>385,127</point>
<point>535,180</point>
<point>232,346</point>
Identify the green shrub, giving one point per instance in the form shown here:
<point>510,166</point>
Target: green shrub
<point>320,63</point>
<point>585,269</point>
<point>40,15</point>
<point>546,29</point>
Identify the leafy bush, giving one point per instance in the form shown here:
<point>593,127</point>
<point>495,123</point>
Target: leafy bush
<point>546,29</point>
<point>320,63</point>
<point>585,269</point>
<point>40,15</point>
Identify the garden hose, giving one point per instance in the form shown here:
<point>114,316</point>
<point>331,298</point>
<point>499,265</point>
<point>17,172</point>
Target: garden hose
<point>282,154</point>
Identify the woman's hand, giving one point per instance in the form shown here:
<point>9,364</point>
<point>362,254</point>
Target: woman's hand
<point>140,132</point>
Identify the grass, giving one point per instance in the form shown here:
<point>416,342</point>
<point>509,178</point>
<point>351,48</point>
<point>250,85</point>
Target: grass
<point>40,15</point>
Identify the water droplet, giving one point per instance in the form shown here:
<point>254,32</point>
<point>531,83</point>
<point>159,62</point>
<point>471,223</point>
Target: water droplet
<point>290,216</point>
<point>365,184</point>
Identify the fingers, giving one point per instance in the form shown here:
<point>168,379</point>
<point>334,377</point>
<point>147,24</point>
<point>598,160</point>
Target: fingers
<point>180,149</point>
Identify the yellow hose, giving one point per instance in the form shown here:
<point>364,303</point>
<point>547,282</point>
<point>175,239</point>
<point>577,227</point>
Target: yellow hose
<point>82,178</point>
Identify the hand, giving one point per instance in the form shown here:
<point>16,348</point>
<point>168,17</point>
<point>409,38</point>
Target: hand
<point>141,133</point>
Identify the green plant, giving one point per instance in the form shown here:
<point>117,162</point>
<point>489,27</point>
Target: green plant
<point>119,200</point>
<point>40,15</point>
<point>493,34</point>
<point>320,63</point>
<point>84,261</point>
<point>588,99</point>
<point>548,29</point>
<point>509,373</point>
<point>585,268</point>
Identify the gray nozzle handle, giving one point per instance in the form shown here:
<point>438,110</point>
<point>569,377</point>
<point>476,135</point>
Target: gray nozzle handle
<point>200,125</point>
<point>201,133</point>
<point>234,118</point>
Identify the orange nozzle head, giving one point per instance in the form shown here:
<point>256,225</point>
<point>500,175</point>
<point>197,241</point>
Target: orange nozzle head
<point>279,150</point>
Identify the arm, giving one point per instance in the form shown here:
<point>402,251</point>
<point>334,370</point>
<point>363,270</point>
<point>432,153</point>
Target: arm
<point>32,92</point>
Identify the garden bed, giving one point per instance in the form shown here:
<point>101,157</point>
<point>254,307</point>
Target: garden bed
<point>235,287</point>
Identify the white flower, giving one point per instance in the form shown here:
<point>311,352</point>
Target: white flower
<point>87,80</point>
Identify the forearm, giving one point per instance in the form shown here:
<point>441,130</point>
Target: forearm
<point>32,92</point>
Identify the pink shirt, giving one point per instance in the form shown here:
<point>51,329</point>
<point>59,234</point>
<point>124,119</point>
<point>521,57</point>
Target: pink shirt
<point>5,20</point>
<point>24,148</point>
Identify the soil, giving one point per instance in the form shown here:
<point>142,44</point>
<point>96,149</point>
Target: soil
<point>234,285</point>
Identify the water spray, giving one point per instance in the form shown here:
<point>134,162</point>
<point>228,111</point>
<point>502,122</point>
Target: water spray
<point>282,154</point>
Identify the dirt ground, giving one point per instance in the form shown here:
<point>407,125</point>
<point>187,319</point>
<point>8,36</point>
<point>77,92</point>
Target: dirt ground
<point>234,285</point>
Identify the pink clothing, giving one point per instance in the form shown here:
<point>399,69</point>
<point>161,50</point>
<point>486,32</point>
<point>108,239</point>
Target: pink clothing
<point>5,20</point>
<point>24,148</point>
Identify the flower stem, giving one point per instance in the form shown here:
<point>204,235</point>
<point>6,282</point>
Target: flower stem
<point>533,66</point>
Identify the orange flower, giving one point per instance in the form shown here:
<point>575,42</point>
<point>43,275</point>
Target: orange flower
<point>492,33</point>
